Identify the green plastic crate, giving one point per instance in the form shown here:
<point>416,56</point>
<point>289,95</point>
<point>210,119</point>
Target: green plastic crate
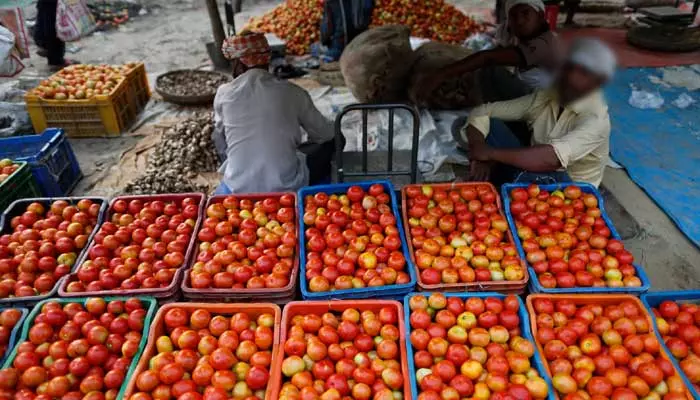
<point>20,185</point>
<point>149,302</point>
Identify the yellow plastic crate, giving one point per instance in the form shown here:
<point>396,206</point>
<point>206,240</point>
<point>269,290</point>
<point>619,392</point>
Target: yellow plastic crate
<point>101,116</point>
<point>139,89</point>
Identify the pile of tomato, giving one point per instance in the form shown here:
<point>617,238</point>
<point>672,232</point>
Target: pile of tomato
<point>298,21</point>
<point>472,348</point>
<point>142,246</point>
<point>43,245</point>
<point>9,318</point>
<point>566,240</point>
<point>352,240</point>
<point>7,168</point>
<point>436,19</point>
<point>679,325</point>
<point>354,354</point>
<point>460,236</point>
<point>76,351</point>
<point>246,244</point>
<point>208,355</point>
<point>604,350</point>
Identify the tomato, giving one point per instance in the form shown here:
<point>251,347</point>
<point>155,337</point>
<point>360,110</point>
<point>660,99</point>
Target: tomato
<point>257,377</point>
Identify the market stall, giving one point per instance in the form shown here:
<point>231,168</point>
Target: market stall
<point>349,290</point>
<point>107,266</point>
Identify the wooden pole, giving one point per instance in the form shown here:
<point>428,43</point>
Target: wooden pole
<point>216,26</point>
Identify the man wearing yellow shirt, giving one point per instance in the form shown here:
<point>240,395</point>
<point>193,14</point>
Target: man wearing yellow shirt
<point>569,123</point>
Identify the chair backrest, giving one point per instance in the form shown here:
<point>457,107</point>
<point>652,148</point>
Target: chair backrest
<point>365,109</point>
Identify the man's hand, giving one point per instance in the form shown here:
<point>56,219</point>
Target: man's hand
<point>479,170</point>
<point>479,151</point>
<point>428,85</point>
<point>479,155</point>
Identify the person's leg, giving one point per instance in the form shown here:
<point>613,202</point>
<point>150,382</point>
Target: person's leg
<point>55,52</point>
<point>543,178</point>
<point>571,8</point>
<point>318,159</point>
<point>41,25</point>
<point>46,36</point>
<point>500,136</point>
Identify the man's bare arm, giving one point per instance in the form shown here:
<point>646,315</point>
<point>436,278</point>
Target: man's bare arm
<point>541,158</point>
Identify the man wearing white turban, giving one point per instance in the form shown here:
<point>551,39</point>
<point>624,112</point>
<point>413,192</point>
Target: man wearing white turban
<point>258,126</point>
<point>569,123</point>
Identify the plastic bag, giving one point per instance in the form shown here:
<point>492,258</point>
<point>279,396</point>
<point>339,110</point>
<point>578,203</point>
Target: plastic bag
<point>683,101</point>
<point>479,41</point>
<point>376,64</point>
<point>14,119</point>
<point>73,20</point>
<point>645,100</point>
<point>10,64</point>
<point>13,20</point>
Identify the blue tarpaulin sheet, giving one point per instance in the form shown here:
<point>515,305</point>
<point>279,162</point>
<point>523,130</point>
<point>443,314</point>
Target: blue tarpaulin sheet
<point>659,148</point>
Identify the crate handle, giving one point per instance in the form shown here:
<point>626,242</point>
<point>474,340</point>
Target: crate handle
<point>59,173</point>
<point>53,140</point>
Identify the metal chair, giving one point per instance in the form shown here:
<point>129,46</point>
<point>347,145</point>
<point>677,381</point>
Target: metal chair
<point>365,108</point>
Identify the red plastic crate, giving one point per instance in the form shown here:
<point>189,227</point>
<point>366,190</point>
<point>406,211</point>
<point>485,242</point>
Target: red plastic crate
<point>279,296</point>
<point>319,308</point>
<point>507,287</point>
<point>166,294</point>
<point>599,299</point>
<point>157,329</point>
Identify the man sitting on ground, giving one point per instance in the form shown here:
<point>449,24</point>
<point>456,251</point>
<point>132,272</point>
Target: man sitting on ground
<point>258,121</point>
<point>569,123</point>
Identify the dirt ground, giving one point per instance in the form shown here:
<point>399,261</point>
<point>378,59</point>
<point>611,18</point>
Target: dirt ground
<point>173,35</point>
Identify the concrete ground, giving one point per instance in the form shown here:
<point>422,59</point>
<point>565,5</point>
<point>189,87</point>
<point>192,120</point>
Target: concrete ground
<point>670,260</point>
<point>173,35</point>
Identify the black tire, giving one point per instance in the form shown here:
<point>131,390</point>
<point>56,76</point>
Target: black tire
<point>664,40</point>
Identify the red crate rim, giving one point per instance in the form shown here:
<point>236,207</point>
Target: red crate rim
<point>156,292</point>
<point>291,286</point>
<point>314,307</point>
<point>583,299</point>
<point>481,286</point>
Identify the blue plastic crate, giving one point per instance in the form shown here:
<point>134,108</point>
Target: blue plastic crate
<point>391,292</point>
<point>16,331</point>
<point>653,299</point>
<point>50,155</point>
<point>525,332</point>
<point>535,286</point>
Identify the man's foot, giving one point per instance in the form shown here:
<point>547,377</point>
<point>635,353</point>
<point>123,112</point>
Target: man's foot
<point>56,68</point>
<point>42,52</point>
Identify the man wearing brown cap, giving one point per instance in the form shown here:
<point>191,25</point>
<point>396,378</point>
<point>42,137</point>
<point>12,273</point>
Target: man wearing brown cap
<point>258,121</point>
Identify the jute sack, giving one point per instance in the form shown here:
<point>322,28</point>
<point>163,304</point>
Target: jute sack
<point>376,64</point>
<point>455,93</point>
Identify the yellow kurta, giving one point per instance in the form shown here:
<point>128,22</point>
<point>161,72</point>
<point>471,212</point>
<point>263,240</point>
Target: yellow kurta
<point>580,135</point>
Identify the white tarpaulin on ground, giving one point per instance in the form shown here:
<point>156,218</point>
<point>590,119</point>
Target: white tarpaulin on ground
<point>436,145</point>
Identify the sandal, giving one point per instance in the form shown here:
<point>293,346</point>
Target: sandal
<point>66,62</point>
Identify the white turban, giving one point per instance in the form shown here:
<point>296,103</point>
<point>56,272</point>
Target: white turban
<point>538,5</point>
<point>593,55</point>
